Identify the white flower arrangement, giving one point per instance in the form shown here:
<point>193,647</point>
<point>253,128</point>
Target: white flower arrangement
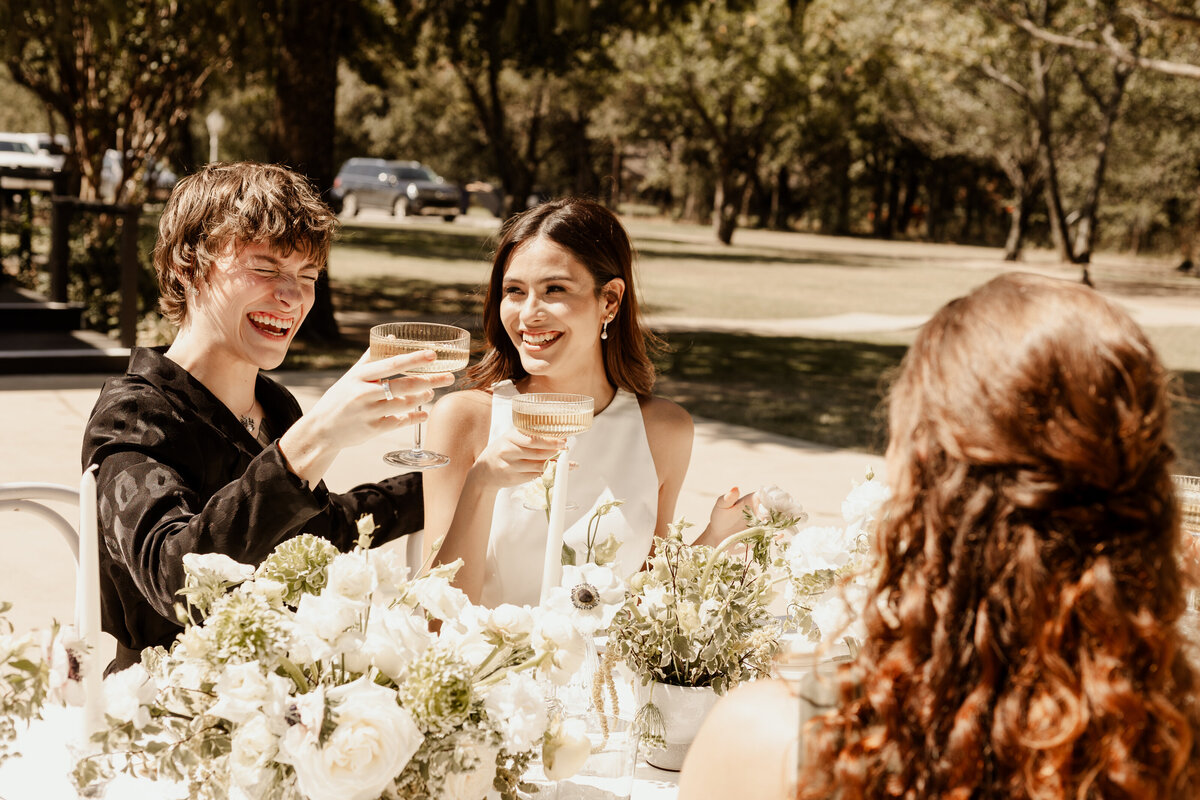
<point>36,668</point>
<point>826,567</point>
<point>317,676</point>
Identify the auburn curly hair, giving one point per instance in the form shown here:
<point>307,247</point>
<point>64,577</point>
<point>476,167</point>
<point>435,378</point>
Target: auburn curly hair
<point>1022,637</point>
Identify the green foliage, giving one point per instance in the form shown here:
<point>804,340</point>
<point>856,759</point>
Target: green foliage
<point>24,681</point>
<point>147,63</point>
<point>697,617</point>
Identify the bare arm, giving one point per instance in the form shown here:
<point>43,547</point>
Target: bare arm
<point>355,409</point>
<point>459,497</point>
<point>669,431</point>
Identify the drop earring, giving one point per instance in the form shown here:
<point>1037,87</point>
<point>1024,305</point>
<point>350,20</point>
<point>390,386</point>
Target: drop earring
<point>604,329</point>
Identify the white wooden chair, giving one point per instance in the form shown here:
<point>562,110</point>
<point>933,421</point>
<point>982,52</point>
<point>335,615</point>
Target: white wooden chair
<point>31,498</point>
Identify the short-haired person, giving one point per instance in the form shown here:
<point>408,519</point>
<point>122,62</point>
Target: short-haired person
<point>198,452</point>
<point>561,315</point>
<point>1022,635</point>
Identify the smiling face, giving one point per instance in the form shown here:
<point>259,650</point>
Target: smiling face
<point>551,311</point>
<point>251,305</point>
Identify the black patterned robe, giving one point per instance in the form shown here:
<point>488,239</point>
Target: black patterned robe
<point>180,474</point>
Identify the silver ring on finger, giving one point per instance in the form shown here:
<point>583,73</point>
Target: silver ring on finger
<point>387,390</point>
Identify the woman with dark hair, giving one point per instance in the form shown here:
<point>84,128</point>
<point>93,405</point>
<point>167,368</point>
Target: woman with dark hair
<point>1022,633</point>
<point>561,315</point>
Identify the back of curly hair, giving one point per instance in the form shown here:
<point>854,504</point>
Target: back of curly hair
<point>241,203</point>
<point>1022,637</point>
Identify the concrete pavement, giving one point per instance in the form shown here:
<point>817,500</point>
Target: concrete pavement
<point>41,428</point>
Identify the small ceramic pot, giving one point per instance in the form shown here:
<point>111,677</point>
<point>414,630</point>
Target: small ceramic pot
<point>684,709</point>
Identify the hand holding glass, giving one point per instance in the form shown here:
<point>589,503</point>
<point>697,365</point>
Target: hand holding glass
<point>552,414</point>
<point>452,347</point>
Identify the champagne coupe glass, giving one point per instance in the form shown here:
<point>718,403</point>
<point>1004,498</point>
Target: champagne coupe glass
<point>452,346</point>
<point>1187,491</point>
<point>552,414</point>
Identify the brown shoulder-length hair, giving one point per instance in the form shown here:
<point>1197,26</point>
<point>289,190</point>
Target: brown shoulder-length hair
<point>242,202</point>
<point>595,237</point>
<point>1022,637</point>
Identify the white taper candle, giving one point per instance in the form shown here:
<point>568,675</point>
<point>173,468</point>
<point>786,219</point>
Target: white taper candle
<point>87,603</point>
<point>552,566</point>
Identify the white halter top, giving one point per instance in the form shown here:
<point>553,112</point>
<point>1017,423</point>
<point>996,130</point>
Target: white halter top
<point>614,464</point>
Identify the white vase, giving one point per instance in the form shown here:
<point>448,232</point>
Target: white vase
<point>683,709</point>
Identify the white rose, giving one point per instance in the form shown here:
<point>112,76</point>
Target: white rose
<point>566,750</point>
<point>472,784</point>
<point>395,637</point>
<point>439,598</point>
<point>351,577</point>
<point>253,748</point>
<point>771,500</point>
<point>391,574</point>
<point>517,709</point>
<point>127,693</point>
<point>217,565</point>
<point>817,548</point>
<point>559,645</point>
<point>511,623</point>
<point>467,635</point>
<point>329,624</point>
<point>373,739</point>
<point>865,500</point>
<point>245,690</point>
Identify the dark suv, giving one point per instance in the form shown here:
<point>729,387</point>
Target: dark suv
<point>402,187</point>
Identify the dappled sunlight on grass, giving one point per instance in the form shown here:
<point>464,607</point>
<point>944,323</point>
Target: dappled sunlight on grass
<point>822,390</point>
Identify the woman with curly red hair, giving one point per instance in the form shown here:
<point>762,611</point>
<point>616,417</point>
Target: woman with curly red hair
<point>1022,631</point>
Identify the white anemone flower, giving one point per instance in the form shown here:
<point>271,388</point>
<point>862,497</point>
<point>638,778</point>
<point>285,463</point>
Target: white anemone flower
<point>590,596</point>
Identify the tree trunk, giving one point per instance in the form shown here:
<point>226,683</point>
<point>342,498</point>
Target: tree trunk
<point>1017,222</point>
<point>726,202</point>
<point>781,200</point>
<point>305,105</point>
<point>1110,111</point>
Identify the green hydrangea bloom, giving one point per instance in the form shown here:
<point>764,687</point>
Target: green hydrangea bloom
<point>437,691</point>
<point>301,564</point>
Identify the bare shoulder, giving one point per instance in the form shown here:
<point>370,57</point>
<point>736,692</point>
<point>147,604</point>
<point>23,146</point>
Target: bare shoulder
<point>665,418</point>
<point>466,412</point>
<point>755,727</point>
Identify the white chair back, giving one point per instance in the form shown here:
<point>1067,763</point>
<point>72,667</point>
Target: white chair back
<point>31,497</point>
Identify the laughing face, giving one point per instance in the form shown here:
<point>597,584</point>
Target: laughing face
<point>252,304</point>
<point>551,311</point>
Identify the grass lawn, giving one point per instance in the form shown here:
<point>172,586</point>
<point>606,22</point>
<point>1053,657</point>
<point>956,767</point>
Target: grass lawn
<point>826,389</point>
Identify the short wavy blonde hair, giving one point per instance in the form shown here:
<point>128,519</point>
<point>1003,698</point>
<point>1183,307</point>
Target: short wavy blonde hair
<point>241,203</point>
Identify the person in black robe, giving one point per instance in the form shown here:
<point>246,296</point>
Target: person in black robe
<point>197,451</point>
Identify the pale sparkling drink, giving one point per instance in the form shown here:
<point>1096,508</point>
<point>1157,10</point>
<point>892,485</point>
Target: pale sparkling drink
<point>449,359</point>
<point>552,414</point>
<point>452,348</point>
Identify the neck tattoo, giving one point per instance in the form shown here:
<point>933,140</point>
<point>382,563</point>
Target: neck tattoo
<point>248,422</point>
